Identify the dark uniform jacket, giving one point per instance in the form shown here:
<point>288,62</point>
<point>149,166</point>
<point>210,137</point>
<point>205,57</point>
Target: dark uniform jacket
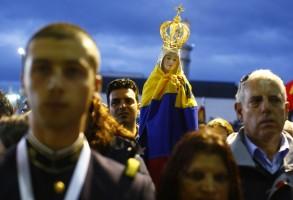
<point>122,149</point>
<point>105,180</point>
<point>257,183</point>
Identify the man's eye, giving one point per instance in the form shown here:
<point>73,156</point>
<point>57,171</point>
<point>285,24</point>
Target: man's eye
<point>275,99</point>
<point>255,101</point>
<point>73,72</point>
<point>129,101</point>
<point>114,103</point>
<point>41,69</point>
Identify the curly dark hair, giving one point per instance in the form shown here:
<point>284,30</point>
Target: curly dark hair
<point>122,83</point>
<point>205,140</point>
<point>6,108</point>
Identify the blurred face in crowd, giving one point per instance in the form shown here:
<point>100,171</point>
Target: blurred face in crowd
<point>205,179</point>
<point>124,107</point>
<point>222,131</point>
<point>59,80</point>
<point>263,109</point>
<point>170,62</point>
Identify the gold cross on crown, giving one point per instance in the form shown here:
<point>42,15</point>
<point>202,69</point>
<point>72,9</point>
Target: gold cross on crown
<point>179,9</point>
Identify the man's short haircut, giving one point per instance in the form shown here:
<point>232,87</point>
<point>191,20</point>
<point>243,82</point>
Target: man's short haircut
<point>63,31</point>
<point>261,74</point>
<point>123,83</point>
<point>6,108</point>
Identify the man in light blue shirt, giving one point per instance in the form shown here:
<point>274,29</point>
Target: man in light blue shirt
<point>260,156</point>
<point>263,152</point>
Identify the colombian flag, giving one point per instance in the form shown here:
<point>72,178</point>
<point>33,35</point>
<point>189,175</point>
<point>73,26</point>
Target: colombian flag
<point>168,111</point>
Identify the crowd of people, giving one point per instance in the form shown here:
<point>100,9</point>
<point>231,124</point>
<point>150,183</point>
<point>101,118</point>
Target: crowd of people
<point>70,145</point>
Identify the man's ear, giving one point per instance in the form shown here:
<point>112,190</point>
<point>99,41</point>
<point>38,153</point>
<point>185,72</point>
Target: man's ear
<point>98,83</point>
<point>238,110</point>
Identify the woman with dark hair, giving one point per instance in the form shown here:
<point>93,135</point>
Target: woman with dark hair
<point>200,167</point>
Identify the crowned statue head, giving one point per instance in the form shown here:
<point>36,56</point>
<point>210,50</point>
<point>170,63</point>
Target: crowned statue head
<point>174,35</point>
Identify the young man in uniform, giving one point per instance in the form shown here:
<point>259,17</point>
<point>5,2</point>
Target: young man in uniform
<point>54,160</point>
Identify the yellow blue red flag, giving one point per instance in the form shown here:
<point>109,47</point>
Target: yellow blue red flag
<point>168,110</point>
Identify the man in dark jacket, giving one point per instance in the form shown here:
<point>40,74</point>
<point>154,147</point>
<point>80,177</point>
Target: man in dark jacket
<point>123,104</point>
<point>263,151</point>
<point>54,160</point>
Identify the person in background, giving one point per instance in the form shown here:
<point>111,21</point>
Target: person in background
<point>6,108</point>
<point>123,103</point>
<point>12,129</point>
<point>262,150</point>
<point>225,128</point>
<point>110,138</point>
<point>54,161</point>
<point>200,167</point>
<point>288,126</point>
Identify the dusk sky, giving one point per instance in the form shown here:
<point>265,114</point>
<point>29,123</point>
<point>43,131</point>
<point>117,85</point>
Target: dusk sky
<point>230,37</point>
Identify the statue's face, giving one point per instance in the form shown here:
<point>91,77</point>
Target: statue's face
<point>170,61</point>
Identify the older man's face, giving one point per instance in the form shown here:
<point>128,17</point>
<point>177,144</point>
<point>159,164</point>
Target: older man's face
<point>263,110</point>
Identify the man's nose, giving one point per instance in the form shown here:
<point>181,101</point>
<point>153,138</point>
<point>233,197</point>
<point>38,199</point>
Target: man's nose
<point>55,80</point>
<point>122,104</point>
<point>265,105</point>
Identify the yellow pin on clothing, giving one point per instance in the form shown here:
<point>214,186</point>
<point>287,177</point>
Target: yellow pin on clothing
<point>59,187</point>
<point>132,167</point>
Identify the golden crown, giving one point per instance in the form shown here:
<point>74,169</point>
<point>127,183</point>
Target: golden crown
<point>174,33</point>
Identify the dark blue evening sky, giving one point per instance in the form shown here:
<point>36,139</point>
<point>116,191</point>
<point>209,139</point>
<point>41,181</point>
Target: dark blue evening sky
<point>230,37</point>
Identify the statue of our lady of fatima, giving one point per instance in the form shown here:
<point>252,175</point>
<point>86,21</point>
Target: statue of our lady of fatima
<point>168,107</point>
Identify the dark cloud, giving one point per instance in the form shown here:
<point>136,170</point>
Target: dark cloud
<point>230,38</point>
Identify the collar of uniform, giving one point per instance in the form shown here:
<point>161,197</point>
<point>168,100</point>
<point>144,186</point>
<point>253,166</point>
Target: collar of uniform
<point>53,161</point>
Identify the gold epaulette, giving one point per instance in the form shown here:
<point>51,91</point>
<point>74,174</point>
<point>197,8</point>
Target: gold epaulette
<point>132,167</point>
